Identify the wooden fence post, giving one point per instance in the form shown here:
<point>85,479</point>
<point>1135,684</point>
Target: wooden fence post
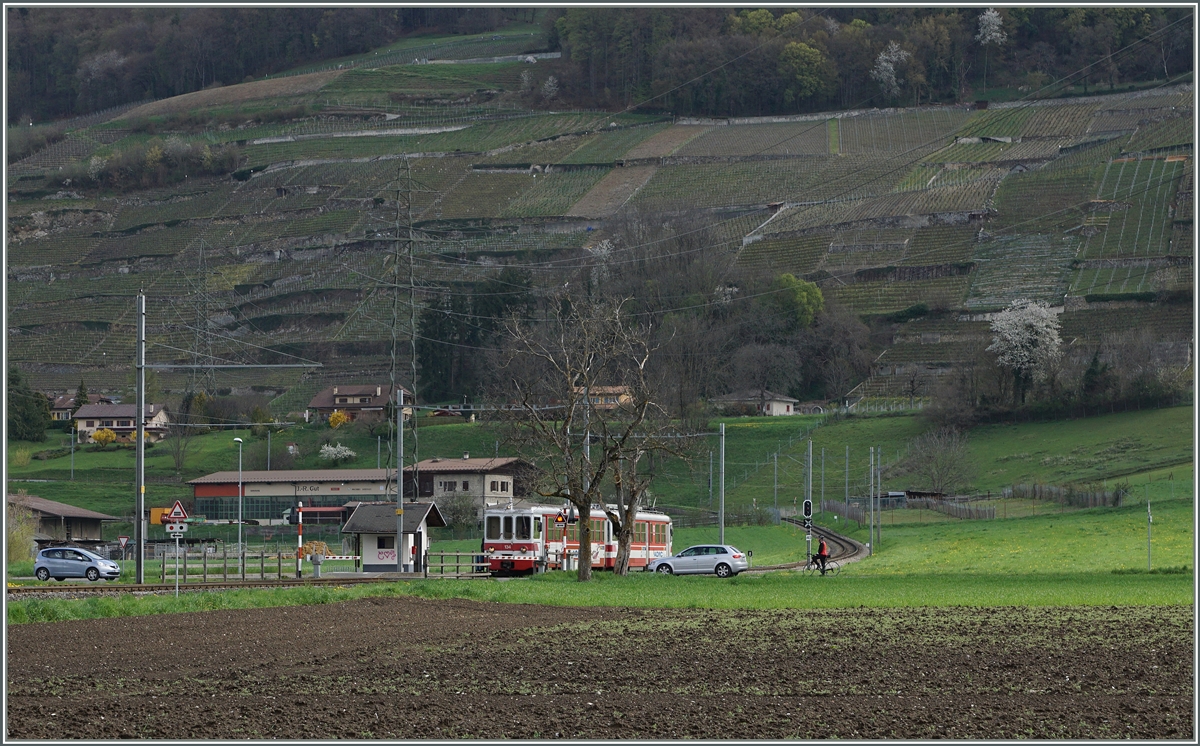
<point>204,561</point>
<point>262,564</point>
<point>225,563</point>
<point>185,553</point>
<point>279,555</point>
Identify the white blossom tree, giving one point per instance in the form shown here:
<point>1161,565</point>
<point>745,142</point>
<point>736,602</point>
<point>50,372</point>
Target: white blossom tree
<point>884,72</point>
<point>337,454</point>
<point>550,88</point>
<point>991,34</point>
<point>1026,341</point>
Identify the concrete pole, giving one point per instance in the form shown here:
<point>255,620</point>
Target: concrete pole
<point>777,484</point>
<point>721,508</point>
<point>241,491</point>
<point>1149,521</point>
<point>268,449</point>
<point>400,476</point>
<point>139,489</point>
<point>870,502</point>
<point>808,496</point>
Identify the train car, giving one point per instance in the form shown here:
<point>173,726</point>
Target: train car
<point>524,540</point>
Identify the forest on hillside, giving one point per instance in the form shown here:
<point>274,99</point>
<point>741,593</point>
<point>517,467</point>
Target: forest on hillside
<point>718,62</point>
<point>66,62</point>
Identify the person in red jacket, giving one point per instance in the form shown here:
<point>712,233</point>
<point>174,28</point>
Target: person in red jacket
<point>822,555</point>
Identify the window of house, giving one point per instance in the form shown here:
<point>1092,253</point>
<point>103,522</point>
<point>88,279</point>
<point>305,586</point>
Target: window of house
<point>126,423</point>
<point>343,400</point>
<point>91,423</point>
<point>449,486</point>
<point>363,400</point>
<point>495,486</point>
<point>108,423</point>
<point>466,485</point>
<point>504,486</point>
<point>385,542</point>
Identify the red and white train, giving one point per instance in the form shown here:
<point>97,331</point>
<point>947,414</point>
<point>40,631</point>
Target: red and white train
<point>519,540</point>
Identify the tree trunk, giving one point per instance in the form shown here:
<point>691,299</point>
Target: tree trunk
<point>584,572</point>
<point>624,547</point>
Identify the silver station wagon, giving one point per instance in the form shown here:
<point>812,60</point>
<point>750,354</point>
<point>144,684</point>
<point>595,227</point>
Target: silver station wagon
<point>721,560</point>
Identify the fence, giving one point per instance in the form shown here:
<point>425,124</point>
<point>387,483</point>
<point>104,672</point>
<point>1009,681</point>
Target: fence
<point>464,564</point>
<point>1078,496</point>
<point>955,510</point>
<point>838,507</point>
<point>205,566</point>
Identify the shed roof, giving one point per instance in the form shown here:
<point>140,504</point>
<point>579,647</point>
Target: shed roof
<point>298,475</point>
<point>326,399</point>
<point>115,410</point>
<point>67,401</point>
<point>753,395</point>
<point>465,465</point>
<point>380,518</point>
<point>50,507</point>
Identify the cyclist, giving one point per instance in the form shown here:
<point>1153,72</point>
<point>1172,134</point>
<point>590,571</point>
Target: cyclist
<point>822,555</point>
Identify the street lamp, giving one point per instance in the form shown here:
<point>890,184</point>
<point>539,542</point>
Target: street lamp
<point>241,568</point>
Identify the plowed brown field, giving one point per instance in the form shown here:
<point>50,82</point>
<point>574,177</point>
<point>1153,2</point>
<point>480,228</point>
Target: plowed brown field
<point>414,668</point>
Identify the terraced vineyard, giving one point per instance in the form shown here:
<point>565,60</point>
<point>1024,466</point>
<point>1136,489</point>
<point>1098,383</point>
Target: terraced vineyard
<point>885,209</point>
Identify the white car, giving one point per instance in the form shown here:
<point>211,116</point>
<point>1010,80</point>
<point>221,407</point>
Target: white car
<point>721,560</point>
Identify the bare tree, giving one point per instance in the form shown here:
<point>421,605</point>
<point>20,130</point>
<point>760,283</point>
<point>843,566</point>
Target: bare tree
<point>940,458</point>
<point>178,441</point>
<point>553,372</point>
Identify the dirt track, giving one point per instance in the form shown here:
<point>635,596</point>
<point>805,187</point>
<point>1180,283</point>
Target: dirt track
<point>413,668</point>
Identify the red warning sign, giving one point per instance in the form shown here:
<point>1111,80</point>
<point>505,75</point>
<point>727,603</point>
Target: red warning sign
<point>177,513</point>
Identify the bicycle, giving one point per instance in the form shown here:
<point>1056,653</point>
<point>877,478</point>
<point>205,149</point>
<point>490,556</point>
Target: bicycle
<point>832,567</point>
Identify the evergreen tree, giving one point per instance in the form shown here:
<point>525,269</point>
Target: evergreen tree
<point>81,397</point>
<point>28,410</point>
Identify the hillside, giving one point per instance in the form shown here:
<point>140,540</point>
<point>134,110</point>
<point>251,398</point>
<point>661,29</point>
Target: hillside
<point>1085,203</point>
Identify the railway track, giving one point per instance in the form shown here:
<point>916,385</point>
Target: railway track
<point>66,589</point>
<point>841,548</point>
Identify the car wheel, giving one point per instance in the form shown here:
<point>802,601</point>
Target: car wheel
<point>42,574</point>
<point>93,574</point>
<point>664,570</point>
<point>724,570</point>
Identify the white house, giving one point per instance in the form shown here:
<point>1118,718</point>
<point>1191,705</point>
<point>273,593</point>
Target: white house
<point>120,419</point>
<point>484,478</point>
<point>765,402</point>
<point>373,526</point>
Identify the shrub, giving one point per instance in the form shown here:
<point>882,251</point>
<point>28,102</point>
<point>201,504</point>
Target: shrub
<point>338,418</point>
<point>20,526</point>
<point>20,457</point>
<point>103,437</point>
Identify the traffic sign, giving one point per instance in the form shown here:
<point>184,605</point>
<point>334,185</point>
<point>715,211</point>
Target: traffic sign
<point>560,519</point>
<point>807,523</point>
<point>176,513</point>
<point>124,540</point>
<point>176,528</point>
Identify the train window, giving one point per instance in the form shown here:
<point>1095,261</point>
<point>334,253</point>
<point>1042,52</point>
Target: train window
<point>598,525</point>
<point>507,533</point>
<point>523,527</point>
<point>639,533</point>
<point>537,527</point>
<point>493,527</point>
